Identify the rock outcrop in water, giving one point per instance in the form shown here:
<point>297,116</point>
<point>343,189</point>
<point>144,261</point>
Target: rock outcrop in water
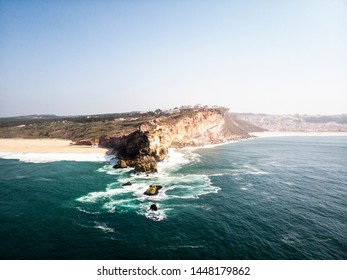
<point>153,190</point>
<point>153,207</point>
<point>145,164</point>
<point>149,143</point>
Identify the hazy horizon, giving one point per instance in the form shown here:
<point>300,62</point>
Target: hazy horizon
<point>124,112</point>
<point>87,57</point>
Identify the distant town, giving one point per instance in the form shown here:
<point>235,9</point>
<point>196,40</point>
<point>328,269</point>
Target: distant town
<point>297,123</point>
<point>113,121</point>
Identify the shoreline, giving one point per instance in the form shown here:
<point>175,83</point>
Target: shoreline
<point>46,146</point>
<point>207,146</point>
<point>292,133</point>
<point>47,150</point>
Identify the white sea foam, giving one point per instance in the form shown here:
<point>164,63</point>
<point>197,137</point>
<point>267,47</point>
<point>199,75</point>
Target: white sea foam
<point>158,215</point>
<point>131,198</point>
<point>291,238</point>
<point>247,187</point>
<point>175,160</point>
<point>108,169</point>
<point>52,157</point>
<point>176,186</point>
<point>44,179</point>
<point>121,204</point>
<point>216,175</point>
<point>103,227</point>
<point>99,196</point>
<point>253,170</point>
<point>87,212</point>
<point>184,246</point>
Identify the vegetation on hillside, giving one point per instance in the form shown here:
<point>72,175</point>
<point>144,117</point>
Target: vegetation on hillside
<point>93,126</point>
<point>74,128</point>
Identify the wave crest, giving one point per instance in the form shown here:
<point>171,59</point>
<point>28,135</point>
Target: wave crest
<point>52,157</point>
<point>177,188</point>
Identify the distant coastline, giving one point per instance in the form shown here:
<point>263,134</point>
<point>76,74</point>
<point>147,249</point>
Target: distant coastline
<point>44,146</point>
<point>293,133</point>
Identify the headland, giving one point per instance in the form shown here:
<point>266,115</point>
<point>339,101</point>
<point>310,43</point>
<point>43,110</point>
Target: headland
<point>138,139</point>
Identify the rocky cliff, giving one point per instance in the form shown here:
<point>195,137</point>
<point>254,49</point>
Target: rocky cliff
<point>150,142</point>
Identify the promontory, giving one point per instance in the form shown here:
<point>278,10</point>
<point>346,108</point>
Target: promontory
<point>138,139</point>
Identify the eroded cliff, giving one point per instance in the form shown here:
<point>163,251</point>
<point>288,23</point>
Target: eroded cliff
<point>150,142</point>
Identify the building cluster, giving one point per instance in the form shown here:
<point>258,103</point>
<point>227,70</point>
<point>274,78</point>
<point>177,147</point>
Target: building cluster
<point>193,108</point>
<point>291,123</point>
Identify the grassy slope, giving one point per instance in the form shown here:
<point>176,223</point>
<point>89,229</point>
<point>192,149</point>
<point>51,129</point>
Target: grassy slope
<point>73,128</point>
<point>90,127</point>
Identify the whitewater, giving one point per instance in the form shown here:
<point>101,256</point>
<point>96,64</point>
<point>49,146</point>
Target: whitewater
<point>264,198</point>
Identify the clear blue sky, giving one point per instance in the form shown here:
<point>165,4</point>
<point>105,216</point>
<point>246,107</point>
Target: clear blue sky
<point>85,57</point>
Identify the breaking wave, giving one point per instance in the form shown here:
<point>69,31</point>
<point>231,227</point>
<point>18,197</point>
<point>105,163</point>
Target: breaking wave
<point>177,188</point>
<point>103,227</point>
<point>52,157</point>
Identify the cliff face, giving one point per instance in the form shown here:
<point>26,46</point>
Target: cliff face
<point>150,143</point>
<point>200,128</point>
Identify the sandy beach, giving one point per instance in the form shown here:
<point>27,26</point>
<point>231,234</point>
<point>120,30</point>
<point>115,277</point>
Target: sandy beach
<point>18,145</point>
<point>287,133</point>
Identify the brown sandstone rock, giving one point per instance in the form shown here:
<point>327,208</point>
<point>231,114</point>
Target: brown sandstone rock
<point>149,143</point>
<point>153,190</point>
<point>121,164</point>
<point>145,164</point>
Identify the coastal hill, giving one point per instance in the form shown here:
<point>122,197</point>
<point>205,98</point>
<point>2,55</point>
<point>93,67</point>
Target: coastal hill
<point>140,139</point>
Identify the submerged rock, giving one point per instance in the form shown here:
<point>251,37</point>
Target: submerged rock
<point>152,190</point>
<point>153,207</point>
<point>127,184</point>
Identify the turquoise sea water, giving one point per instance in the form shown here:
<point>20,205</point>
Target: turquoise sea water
<point>266,198</point>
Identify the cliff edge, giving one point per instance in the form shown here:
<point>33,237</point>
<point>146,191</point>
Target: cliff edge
<point>140,139</point>
<point>150,142</point>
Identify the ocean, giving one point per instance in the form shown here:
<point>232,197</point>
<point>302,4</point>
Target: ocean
<point>263,198</point>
